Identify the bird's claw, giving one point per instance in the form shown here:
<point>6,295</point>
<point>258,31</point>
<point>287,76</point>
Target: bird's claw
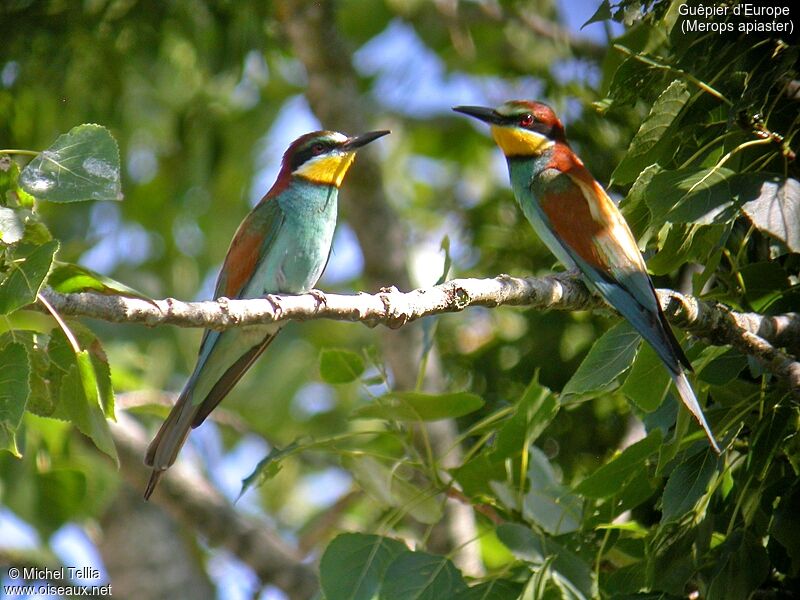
<point>320,297</point>
<point>569,274</point>
<point>275,301</point>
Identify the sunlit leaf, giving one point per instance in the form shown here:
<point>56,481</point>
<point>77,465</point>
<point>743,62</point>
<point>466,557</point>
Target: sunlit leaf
<point>691,195</point>
<point>80,165</point>
<point>11,226</point>
<point>647,144</point>
<point>776,210</point>
<point>634,205</point>
<point>69,278</point>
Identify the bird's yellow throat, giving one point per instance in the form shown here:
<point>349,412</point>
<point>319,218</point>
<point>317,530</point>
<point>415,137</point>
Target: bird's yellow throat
<point>519,142</point>
<point>327,170</point>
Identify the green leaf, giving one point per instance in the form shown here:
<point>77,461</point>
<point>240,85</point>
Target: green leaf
<point>724,368</point>
<point>740,568</point>
<point>10,192</point>
<point>422,576</point>
<point>537,549</point>
<point>535,410</point>
<point>626,581</point>
<point>9,173</point>
<point>69,278</point>
<point>634,205</point>
<point>603,13</point>
<point>687,484</point>
<point>80,165</point>
<point>609,357</point>
<point>767,439</point>
<point>701,196</point>
<point>548,503</point>
<point>353,565</point>
<point>11,227</point>
<point>647,145</point>
<point>634,492</point>
<point>385,484</point>
<point>340,366</point>
<point>496,589</point>
<point>785,526</point>
<point>648,381</point>
<point>763,283</point>
<point>474,476</point>
<point>417,406</point>
<point>61,496</point>
<point>80,398</point>
<point>40,401</point>
<point>63,358</point>
<point>674,248</point>
<point>269,466</point>
<point>26,278</point>
<point>776,210</point>
<point>14,392</point>
<point>610,478</point>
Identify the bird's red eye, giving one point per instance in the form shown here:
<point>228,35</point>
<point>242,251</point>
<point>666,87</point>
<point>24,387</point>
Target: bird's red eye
<point>526,120</point>
<point>317,148</point>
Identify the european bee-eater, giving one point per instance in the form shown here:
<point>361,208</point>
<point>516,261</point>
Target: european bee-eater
<point>282,246</point>
<point>582,226</point>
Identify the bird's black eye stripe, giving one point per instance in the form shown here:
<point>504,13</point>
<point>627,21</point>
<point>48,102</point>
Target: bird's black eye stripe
<point>309,152</point>
<point>532,124</point>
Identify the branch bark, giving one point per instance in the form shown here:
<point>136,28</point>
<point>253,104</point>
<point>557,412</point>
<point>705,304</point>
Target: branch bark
<point>757,335</point>
<point>190,499</point>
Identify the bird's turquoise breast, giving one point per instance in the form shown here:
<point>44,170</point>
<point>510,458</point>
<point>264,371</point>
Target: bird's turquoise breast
<point>299,252</point>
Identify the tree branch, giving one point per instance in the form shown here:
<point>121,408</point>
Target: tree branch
<point>753,334</point>
<point>190,499</point>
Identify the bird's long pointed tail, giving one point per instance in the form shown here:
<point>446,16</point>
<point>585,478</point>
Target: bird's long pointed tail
<point>164,448</point>
<point>690,401</point>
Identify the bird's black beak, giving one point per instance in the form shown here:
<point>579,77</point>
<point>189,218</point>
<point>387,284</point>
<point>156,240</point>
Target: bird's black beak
<point>487,115</point>
<point>357,141</point>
